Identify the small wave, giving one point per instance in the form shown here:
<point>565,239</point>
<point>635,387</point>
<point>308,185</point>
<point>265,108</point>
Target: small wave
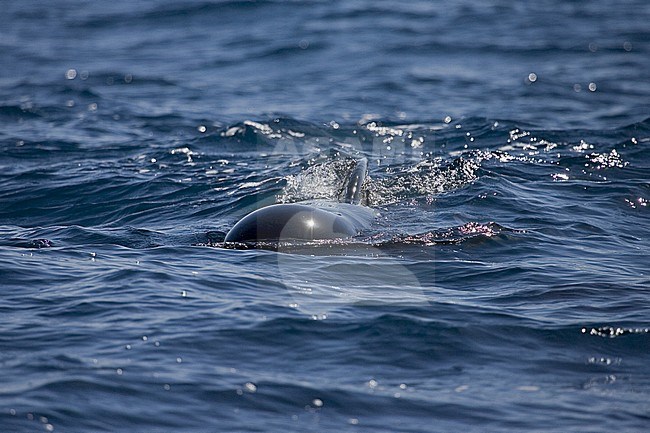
<point>453,235</point>
<point>614,332</point>
<point>18,111</point>
<point>424,179</point>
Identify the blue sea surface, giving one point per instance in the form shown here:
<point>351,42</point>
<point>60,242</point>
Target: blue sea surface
<point>503,287</point>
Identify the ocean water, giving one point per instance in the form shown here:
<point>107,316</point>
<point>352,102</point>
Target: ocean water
<point>503,287</point>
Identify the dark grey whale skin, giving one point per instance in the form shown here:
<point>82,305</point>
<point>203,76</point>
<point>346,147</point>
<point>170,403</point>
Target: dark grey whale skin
<point>291,221</point>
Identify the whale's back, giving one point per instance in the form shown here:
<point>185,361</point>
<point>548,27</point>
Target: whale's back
<point>290,222</point>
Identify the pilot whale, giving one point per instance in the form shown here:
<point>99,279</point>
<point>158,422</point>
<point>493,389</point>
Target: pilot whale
<point>308,220</point>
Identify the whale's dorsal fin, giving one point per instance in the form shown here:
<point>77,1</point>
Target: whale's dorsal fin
<point>352,189</point>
